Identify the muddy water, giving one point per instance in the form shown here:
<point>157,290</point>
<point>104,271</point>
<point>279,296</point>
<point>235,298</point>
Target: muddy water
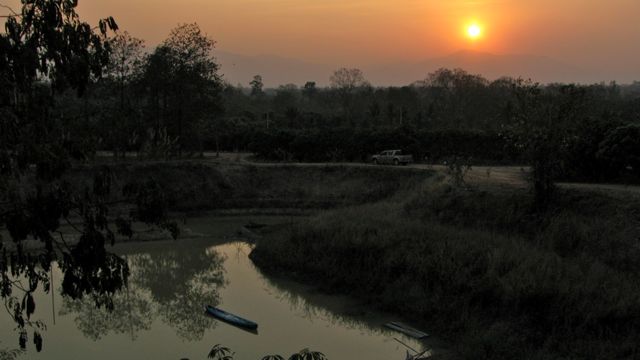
<point>159,316</point>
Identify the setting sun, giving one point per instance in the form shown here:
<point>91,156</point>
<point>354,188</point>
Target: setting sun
<point>474,31</point>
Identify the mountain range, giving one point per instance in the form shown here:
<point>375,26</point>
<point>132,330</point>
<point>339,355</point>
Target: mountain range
<point>275,70</point>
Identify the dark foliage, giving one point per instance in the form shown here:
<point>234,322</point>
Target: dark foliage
<point>322,145</point>
<point>45,51</point>
<point>620,150</point>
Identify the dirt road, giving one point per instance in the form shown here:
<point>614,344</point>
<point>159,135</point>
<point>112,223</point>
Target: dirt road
<point>481,176</point>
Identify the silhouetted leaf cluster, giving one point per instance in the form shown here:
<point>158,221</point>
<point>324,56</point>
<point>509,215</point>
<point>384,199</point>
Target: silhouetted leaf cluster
<point>219,352</point>
<point>45,51</point>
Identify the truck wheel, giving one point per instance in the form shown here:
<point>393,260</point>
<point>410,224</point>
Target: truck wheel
<point>375,161</point>
<point>396,162</point>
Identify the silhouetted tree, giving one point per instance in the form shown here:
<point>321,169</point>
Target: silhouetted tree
<point>125,65</point>
<point>183,85</point>
<point>347,79</point>
<point>45,50</point>
<point>196,81</point>
<point>309,90</point>
<point>346,82</point>
<point>125,62</point>
<point>256,86</point>
<point>543,121</point>
<point>458,98</point>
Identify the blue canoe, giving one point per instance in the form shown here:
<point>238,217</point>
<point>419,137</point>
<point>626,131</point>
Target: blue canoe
<point>230,318</point>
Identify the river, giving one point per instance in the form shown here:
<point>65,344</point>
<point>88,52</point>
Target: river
<point>160,314</point>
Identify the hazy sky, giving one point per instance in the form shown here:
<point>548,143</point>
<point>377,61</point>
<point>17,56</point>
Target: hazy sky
<point>590,33</point>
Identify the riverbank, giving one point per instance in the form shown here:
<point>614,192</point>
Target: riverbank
<point>476,267</point>
<point>481,269</point>
<point>168,285</point>
<point>193,186</point>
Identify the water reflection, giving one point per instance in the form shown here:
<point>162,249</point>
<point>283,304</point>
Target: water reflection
<point>159,313</point>
<point>133,312</point>
<point>171,286</point>
<point>340,311</point>
<point>88,270</point>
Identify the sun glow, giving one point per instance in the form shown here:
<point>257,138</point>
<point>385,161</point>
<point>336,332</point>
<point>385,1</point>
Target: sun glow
<point>474,31</point>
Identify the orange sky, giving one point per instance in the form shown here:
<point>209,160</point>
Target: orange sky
<point>591,33</point>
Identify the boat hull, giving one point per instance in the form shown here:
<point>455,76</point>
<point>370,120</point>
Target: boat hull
<point>231,318</point>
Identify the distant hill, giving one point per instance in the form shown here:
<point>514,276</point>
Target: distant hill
<point>278,70</point>
<point>274,70</point>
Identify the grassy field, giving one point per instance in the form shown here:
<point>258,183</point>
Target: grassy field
<point>482,270</point>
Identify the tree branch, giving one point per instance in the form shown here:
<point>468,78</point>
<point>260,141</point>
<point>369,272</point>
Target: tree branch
<point>73,225</point>
<point>64,242</point>
<point>13,13</point>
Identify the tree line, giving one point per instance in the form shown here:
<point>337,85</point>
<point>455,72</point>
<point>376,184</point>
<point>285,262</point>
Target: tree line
<point>173,101</point>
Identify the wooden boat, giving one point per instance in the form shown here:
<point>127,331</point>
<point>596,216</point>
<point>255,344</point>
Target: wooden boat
<point>407,330</point>
<point>231,318</point>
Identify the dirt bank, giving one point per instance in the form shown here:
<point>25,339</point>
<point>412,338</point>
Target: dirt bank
<point>201,185</point>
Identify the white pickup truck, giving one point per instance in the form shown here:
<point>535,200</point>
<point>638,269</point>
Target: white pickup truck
<point>394,157</point>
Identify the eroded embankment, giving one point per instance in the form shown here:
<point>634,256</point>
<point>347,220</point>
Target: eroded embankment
<point>483,270</point>
<point>192,187</point>
<point>195,186</point>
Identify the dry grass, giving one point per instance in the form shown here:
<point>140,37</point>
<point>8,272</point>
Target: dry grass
<point>482,270</point>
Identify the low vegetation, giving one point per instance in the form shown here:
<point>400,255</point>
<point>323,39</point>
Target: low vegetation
<point>199,186</point>
<point>482,269</point>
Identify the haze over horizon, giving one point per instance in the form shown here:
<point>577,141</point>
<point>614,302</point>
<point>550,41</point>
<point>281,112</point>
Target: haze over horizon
<point>276,70</point>
<point>596,38</point>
